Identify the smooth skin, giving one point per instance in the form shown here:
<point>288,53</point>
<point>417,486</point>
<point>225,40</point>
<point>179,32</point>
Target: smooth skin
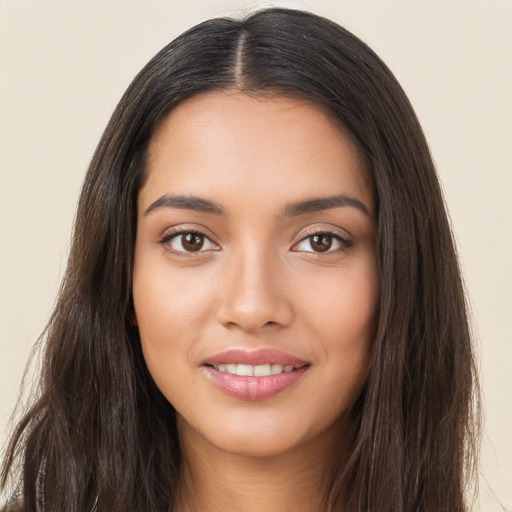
<point>241,266</point>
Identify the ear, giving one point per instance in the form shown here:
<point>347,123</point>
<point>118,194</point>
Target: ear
<point>134,319</point>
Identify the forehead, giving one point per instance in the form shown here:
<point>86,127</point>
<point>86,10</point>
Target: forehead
<point>226,143</point>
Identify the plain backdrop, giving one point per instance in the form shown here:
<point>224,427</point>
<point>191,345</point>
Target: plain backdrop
<point>64,65</point>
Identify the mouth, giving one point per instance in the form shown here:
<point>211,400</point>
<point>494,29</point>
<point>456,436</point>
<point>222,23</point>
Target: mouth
<point>259,370</point>
<point>254,375</point>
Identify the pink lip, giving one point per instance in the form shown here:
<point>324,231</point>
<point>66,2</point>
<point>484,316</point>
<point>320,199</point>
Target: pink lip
<point>254,388</point>
<point>263,356</point>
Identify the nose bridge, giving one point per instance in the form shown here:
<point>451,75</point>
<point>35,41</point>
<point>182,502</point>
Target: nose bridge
<point>253,295</point>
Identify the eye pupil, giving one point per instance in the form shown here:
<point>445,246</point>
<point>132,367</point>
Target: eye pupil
<point>321,243</point>
<point>192,241</point>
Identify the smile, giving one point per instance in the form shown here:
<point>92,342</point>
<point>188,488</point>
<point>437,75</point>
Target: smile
<point>254,375</point>
<point>248,370</point>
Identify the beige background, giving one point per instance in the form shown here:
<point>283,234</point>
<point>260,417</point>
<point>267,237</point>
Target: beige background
<point>64,65</point>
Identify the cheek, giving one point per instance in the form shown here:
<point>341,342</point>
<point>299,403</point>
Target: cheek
<point>171,311</point>
<point>343,305</point>
<point>167,299</point>
<point>342,314</point>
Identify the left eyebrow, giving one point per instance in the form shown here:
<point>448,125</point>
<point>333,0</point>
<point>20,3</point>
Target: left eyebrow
<point>319,204</point>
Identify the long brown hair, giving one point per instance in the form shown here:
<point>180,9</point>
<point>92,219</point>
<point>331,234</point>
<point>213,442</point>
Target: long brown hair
<point>100,434</point>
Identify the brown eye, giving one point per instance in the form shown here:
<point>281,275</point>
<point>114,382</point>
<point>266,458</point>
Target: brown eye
<point>321,243</point>
<point>192,241</point>
<point>187,242</point>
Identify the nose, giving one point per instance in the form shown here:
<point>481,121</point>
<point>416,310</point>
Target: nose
<point>255,294</point>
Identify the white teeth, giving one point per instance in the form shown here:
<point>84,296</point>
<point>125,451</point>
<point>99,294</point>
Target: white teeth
<point>230,368</point>
<point>276,368</point>
<point>259,370</point>
<point>246,370</point>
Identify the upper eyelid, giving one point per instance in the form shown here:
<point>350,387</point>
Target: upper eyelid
<point>180,229</point>
<point>331,230</point>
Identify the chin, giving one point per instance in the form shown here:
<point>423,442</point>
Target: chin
<point>264,445</point>
<point>261,436</point>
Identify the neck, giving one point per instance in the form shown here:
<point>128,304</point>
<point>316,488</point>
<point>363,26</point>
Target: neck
<point>214,480</point>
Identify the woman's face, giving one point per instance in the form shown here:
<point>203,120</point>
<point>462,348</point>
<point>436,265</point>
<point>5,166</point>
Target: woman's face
<point>255,281</point>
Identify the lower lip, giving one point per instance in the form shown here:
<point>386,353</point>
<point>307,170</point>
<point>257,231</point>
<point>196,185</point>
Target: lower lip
<point>254,388</point>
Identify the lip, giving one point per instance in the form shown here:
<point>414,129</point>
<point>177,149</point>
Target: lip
<point>254,388</point>
<point>255,357</point>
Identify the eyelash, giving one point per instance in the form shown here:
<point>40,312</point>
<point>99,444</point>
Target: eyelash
<point>167,238</point>
<point>345,243</point>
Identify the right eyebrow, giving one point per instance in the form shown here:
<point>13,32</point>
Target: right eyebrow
<point>182,202</point>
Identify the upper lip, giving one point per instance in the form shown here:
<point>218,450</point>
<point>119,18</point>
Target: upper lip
<point>255,357</point>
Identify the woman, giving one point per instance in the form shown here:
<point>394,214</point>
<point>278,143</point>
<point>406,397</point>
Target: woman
<point>263,308</point>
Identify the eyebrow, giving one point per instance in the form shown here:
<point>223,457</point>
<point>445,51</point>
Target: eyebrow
<point>195,203</point>
<point>318,204</point>
<point>200,204</point>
